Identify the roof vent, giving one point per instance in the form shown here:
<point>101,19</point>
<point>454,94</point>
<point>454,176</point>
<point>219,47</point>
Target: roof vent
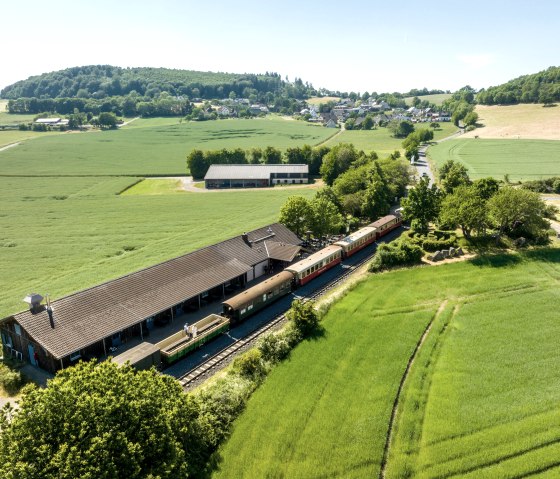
<point>34,301</point>
<point>245,237</point>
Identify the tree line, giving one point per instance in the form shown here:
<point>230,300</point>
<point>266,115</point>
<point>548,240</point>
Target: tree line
<point>477,207</point>
<point>359,187</point>
<point>542,87</point>
<point>199,161</point>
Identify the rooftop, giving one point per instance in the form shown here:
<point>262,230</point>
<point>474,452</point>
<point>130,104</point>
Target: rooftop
<point>251,172</point>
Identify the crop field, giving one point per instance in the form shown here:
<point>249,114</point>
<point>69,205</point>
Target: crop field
<point>520,159</point>
<point>62,234</point>
<point>150,147</point>
<point>436,99</point>
<point>479,398</point>
<point>381,141</point>
<point>524,121</point>
<point>325,99</point>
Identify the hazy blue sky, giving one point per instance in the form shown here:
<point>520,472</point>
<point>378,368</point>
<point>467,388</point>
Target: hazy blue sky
<point>341,45</point>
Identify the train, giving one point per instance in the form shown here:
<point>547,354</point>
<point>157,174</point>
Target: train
<point>247,303</point>
<point>251,300</point>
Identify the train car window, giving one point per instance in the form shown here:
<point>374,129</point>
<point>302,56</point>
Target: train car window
<point>243,311</point>
<point>250,307</point>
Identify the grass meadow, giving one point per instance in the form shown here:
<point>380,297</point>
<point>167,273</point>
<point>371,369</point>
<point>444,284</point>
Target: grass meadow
<point>480,398</point>
<point>59,235</point>
<point>436,99</point>
<point>150,147</point>
<point>381,141</point>
<point>520,159</point>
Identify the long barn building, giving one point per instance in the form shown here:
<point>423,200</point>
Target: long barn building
<point>255,176</point>
<point>89,323</point>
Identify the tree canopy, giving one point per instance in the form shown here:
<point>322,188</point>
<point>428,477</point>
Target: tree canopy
<point>97,421</point>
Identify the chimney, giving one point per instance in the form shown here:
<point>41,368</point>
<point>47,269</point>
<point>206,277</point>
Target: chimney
<point>34,301</point>
<point>50,312</point>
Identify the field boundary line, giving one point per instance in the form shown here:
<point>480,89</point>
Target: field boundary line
<point>409,364</point>
<point>334,135</point>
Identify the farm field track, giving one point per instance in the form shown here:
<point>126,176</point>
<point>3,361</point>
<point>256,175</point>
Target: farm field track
<point>62,234</point>
<point>157,146</point>
<point>479,400</point>
<point>520,159</point>
<point>524,121</point>
<point>381,141</point>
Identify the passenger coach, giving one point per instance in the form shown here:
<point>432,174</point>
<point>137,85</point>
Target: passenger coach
<point>312,266</point>
<point>357,240</point>
<point>386,224</point>
<point>251,300</point>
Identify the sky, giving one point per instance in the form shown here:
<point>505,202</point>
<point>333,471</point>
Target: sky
<point>351,45</point>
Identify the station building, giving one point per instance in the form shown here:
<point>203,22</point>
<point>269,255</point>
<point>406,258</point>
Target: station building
<point>91,322</point>
<point>255,176</point>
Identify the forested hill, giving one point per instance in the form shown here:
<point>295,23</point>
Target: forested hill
<point>100,81</point>
<point>542,87</point>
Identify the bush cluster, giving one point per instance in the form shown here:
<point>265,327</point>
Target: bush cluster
<point>10,380</point>
<point>398,253</point>
<point>548,185</point>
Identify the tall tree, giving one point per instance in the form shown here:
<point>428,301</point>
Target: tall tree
<point>517,211</point>
<point>422,205</point>
<point>296,214</point>
<point>464,208</point>
<point>197,164</point>
<point>103,421</point>
<point>453,174</point>
<point>325,217</point>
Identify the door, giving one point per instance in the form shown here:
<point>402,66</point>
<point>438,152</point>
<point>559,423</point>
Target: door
<point>31,354</point>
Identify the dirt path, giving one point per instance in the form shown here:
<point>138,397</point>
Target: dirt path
<point>401,387</point>
<point>11,145</point>
<point>128,122</point>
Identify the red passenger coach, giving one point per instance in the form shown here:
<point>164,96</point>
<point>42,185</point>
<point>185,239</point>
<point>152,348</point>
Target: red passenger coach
<point>312,266</point>
<point>357,240</point>
<point>386,224</point>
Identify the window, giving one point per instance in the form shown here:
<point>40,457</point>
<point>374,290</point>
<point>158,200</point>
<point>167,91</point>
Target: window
<point>17,328</point>
<point>75,356</point>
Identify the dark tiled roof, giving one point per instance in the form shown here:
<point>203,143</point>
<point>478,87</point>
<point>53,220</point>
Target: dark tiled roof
<point>281,251</point>
<point>382,221</point>
<point>88,316</point>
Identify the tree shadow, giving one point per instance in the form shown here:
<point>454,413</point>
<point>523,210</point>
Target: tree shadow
<point>551,255</point>
<point>496,260</point>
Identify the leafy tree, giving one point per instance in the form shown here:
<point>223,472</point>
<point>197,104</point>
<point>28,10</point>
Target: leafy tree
<point>434,125</point>
<point>396,174</point>
<point>299,155</point>
<point>316,160</point>
<point>304,317</point>
<point>368,123</point>
<point>326,217</point>
<point>337,161</point>
<point>401,128</point>
<point>107,120</point>
<point>465,208</point>
<point>197,164</point>
<point>422,205</point>
<point>517,211</point>
<point>453,174</point>
<point>470,119</point>
<point>296,214</point>
<point>255,156</point>
<point>103,421</point>
<point>272,156</point>
<point>486,187</point>
<point>351,181</point>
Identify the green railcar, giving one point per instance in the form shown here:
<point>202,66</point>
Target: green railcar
<point>182,343</point>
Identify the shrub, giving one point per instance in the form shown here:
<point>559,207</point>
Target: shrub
<point>304,317</point>
<point>274,347</point>
<point>250,365</point>
<point>435,244</point>
<point>10,380</point>
<point>399,253</point>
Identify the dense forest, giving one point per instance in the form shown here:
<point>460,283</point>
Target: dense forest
<point>100,81</point>
<point>146,91</point>
<point>542,87</point>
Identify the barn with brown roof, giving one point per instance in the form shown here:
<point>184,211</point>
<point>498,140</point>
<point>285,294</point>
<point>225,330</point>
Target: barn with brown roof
<point>89,323</point>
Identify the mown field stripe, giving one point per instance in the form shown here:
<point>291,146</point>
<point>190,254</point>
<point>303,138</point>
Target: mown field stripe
<point>400,388</point>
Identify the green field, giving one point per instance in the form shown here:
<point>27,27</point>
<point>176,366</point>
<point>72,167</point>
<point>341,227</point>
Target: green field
<point>58,235</point>
<point>381,141</point>
<point>520,159</point>
<point>436,99</point>
<point>480,398</point>
<point>150,147</point>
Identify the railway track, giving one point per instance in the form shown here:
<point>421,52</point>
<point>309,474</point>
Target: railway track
<point>221,359</point>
